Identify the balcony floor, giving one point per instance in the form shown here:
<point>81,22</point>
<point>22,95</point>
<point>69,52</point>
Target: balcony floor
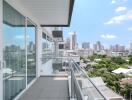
<point>48,88</point>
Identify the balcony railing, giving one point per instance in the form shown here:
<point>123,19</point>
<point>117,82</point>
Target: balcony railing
<point>80,85</point>
<point>82,88</point>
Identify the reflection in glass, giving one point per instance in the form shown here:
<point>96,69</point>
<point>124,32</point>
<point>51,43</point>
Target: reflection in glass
<point>47,48</point>
<point>14,52</point>
<point>31,51</point>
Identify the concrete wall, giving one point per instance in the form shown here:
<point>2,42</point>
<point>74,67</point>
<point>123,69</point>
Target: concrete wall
<point>39,50</point>
<point>1,53</point>
<point>46,69</point>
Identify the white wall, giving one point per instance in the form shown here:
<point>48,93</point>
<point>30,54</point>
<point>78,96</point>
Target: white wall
<point>39,50</point>
<point>1,75</point>
<point>46,69</point>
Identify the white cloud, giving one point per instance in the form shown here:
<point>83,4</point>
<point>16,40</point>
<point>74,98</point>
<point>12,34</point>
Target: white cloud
<point>71,33</point>
<point>120,18</point>
<point>21,36</point>
<point>108,36</point>
<point>125,0</point>
<point>130,29</point>
<point>115,1</point>
<point>121,9</point>
<point>116,20</point>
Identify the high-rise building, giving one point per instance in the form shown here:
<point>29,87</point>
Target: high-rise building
<point>117,48</point>
<point>122,48</point>
<point>74,41</point>
<point>31,46</point>
<point>67,44</point>
<point>86,45</point>
<point>95,47</point>
<point>98,46</point>
<point>130,47</point>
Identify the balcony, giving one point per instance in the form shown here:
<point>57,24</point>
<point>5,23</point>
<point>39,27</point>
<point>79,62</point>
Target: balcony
<point>67,82</point>
<point>48,88</point>
<point>61,78</point>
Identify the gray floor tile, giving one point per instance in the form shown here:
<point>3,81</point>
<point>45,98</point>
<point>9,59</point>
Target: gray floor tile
<point>47,88</point>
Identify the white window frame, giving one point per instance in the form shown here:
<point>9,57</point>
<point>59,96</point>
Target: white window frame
<point>1,50</point>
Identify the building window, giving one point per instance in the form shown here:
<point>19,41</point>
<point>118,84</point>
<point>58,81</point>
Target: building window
<point>47,48</point>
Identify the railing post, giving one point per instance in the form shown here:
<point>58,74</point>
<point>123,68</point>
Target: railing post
<point>72,85</point>
<point>72,82</point>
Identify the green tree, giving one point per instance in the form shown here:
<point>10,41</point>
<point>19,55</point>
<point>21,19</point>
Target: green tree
<point>126,90</point>
<point>118,60</point>
<point>130,60</point>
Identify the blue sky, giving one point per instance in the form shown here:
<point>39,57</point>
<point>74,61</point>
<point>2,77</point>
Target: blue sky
<point>108,21</point>
<point>15,35</point>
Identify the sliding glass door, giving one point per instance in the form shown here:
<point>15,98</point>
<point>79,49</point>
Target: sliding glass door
<point>19,51</point>
<point>14,72</point>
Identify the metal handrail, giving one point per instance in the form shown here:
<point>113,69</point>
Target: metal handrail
<point>77,88</point>
<point>79,71</point>
<point>77,66</point>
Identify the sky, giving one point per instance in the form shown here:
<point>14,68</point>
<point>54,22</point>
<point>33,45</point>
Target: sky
<point>15,35</point>
<point>107,21</point>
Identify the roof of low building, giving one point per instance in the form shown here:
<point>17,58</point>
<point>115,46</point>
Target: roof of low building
<point>126,81</point>
<point>103,90</point>
<point>122,70</point>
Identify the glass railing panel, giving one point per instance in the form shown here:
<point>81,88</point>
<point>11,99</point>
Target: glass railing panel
<point>55,65</point>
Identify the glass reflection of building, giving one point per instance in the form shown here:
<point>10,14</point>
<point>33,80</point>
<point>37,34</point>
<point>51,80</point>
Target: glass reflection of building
<point>47,48</point>
<point>19,51</point>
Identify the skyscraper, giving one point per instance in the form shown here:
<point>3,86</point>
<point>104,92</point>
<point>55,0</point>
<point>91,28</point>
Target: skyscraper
<point>98,46</point>
<point>86,45</point>
<point>117,48</point>
<point>130,47</point>
<point>31,46</point>
<point>74,41</point>
<point>67,44</point>
<point>95,47</point>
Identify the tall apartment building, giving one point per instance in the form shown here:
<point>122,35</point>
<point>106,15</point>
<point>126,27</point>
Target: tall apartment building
<point>86,45</point>
<point>130,48</point>
<point>117,48</point>
<point>98,46</point>
<point>67,44</point>
<point>74,41</point>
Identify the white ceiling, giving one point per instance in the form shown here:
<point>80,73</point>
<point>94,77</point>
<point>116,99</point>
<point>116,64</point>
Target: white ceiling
<point>48,12</point>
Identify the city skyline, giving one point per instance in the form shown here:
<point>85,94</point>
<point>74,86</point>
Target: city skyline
<point>108,21</point>
<point>128,46</point>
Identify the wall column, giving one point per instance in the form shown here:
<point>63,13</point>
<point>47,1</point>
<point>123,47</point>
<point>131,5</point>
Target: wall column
<point>39,50</point>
